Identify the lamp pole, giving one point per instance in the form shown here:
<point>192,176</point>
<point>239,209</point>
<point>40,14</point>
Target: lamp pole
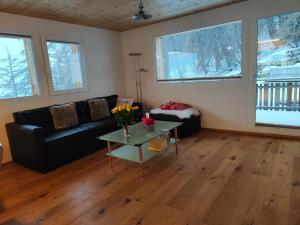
<point>137,70</point>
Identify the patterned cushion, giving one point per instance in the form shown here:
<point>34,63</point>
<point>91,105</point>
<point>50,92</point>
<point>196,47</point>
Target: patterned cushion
<point>64,116</point>
<point>99,108</point>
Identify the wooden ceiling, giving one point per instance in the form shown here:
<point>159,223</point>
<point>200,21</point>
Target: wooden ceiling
<point>108,14</point>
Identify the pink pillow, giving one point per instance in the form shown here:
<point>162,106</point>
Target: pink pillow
<point>175,106</point>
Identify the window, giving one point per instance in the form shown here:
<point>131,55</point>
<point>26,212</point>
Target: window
<point>66,67</point>
<point>17,67</point>
<point>278,55</point>
<point>207,53</point>
<point>278,70</point>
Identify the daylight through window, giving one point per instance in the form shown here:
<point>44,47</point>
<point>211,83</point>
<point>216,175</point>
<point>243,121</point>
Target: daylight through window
<point>278,70</point>
<point>278,55</point>
<point>17,67</point>
<point>66,66</point>
<point>207,53</point>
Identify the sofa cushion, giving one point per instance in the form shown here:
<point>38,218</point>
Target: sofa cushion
<point>38,117</point>
<point>86,129</point>
<point>102,127</point>
<point>66,134</point>
<point>98,108</point>
<point>64,116</point>
<point>65,146</point>
<point>111,101</point>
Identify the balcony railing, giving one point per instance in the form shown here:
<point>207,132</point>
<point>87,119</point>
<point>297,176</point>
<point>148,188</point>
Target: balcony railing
<point>283,95</point>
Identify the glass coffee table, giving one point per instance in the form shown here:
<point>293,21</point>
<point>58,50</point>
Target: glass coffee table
<point>135,147</point>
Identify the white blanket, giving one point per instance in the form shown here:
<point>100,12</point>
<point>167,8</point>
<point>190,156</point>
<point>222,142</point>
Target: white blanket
<point>182,114</point>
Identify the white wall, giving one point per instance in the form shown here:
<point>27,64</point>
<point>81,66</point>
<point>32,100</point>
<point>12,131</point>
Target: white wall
<point>103,56</point>
<point>225,104</point>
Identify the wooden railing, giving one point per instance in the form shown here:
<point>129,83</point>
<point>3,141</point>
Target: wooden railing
<point>278,95</point>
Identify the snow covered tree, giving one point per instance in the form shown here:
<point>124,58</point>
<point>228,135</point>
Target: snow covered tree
<point>65,65</point>
<point>60,65</point>
<point>214,51</point>
<point>278,45</point>
<point>14,77</point>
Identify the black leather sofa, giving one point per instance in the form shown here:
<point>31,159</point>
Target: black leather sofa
<point>35,144</point>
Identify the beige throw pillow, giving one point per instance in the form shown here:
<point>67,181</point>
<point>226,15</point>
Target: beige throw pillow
<point>64,116</point>
<point>98,108</point>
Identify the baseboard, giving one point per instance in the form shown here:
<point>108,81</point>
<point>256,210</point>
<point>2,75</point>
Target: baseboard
<point>6,163</point>
<point>289,137</point>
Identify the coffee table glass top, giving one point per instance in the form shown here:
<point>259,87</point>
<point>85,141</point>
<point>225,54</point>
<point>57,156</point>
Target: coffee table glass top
<point>139,134</point>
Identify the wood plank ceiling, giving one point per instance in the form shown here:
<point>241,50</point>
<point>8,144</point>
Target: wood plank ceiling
<point>108,14</point>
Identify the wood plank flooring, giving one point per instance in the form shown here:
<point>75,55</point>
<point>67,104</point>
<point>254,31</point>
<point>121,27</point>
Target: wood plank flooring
<point>216,179</point>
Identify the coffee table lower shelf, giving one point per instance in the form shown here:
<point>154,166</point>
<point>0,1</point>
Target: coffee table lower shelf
<point>131,153</point>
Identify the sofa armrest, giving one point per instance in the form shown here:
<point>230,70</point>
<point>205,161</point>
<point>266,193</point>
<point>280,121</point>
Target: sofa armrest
<point>27,145</point>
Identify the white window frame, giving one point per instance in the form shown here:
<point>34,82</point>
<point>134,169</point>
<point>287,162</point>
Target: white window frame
<point>200,79</point>
<point>37,93</point>
<point>58,38</point>
<point>257,16</point>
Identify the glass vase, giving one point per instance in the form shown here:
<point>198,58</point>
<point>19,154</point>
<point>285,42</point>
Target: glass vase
<point>126,131</point>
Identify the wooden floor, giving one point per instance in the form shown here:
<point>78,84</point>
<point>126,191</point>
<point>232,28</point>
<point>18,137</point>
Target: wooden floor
<point>217,178</point>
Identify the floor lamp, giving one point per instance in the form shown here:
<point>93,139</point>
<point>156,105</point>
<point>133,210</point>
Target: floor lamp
<point>138,70</point>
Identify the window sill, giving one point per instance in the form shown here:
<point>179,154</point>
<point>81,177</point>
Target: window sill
<point>207,79</point>
<point>276,126</point>
<point>23,98</point>
<point>66,92</point>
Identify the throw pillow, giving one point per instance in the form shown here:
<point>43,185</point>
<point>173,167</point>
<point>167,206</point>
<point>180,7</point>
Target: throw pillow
<point>98,108</point>
<point>124,101</point>
<point>64,116</point>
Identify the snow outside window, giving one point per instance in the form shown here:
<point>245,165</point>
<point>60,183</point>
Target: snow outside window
<point>206,53</point>
<point>18,76</point>
<point>278,70</point>
<point>278,55</point>
<point>66,66</point>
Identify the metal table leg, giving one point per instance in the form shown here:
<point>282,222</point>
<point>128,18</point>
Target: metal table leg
<point>109,151</point>
<point>176,139</point>
<point>141,159</point>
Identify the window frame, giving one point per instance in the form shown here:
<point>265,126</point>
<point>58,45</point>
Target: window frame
<point>37,91</point>
<point>66,40</point>
<point>201,79</point>
<point>255,20</point>
<point>262,15</point>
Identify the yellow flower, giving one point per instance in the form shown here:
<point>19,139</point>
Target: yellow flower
<point>123,108</point>
<point>114,110</point>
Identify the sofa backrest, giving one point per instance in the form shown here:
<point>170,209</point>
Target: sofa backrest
<point>83,111</point>
<point>39,117</point>
<point>42,117</point>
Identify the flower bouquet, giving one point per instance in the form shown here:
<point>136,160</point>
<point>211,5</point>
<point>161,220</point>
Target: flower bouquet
<point>125,116</point>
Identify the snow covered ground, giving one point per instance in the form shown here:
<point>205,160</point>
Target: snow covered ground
<point>278,117</point>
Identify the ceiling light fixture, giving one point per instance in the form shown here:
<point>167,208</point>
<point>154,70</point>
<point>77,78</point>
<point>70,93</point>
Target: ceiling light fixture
<point>141,14</point>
